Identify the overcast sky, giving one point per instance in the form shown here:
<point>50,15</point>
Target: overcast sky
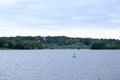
<point>73,18</point>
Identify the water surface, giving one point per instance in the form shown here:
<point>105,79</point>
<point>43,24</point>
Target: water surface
<point>59,65</point>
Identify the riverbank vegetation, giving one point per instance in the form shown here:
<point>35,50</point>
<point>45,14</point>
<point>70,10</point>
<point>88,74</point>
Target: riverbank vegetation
<point>57,42</point>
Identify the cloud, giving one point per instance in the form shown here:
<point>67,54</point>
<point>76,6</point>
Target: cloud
<point>114,15</point>
<point>82,17</point>
<point>97,32</point>
<point>85,32</point>
<point>46,22</point>
<point>114,21</point>
<point>7,2</point>
<point>36,7</point>
<point>74,18</point>
<point>114,18</point>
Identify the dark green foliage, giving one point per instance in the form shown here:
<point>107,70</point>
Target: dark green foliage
<point>98,45</point>
<point>112,46</point>
<point>20,43</point>
<point>2,42</point>
<point>57,42</point>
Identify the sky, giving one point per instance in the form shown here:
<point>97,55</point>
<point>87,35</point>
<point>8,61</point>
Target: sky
<point>72,18</point>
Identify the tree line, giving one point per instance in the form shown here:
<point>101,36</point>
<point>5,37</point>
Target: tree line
<point>57,42</point>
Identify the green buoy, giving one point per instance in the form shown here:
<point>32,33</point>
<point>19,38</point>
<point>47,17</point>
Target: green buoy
<point>74,55</point>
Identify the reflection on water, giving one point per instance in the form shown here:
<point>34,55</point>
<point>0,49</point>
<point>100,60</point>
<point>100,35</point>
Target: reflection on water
<point>59,65</point>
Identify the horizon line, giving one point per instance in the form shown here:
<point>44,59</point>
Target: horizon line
<point>55,36</point>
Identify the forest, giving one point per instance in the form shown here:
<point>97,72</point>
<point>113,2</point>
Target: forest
<point>57,42</point>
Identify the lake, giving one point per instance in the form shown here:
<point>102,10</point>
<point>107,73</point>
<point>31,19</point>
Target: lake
<point>59,65</point>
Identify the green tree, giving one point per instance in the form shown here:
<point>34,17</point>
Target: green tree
<point>98,45</point>
<point>112,46</point>
<point>2,42</point>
